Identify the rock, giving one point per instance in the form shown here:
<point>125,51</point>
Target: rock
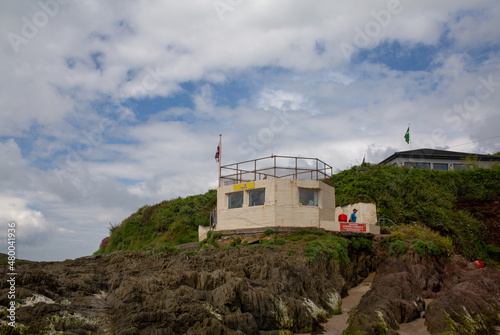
<point>468,303</point>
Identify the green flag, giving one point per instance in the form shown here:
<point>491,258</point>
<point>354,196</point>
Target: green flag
<point>407,135</point>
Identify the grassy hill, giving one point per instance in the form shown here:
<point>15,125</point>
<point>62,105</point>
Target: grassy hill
<point>429,198</point>
<point>4,260</point>
<point>170,222</point>
<point>405,196</point>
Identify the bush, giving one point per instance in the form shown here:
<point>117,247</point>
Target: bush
<point>397,248</point>
<point>423,248</point>
<point>167,248</point>
<point>425,196</point>
<point>280,241</point>
<point>332,246</point>
<point>362,243</point>
<point>270,231</point>
<point>104,243</point>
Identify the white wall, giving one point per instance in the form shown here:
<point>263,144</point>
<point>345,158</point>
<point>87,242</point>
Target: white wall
<point>281,207</point>
<point>367,212</point>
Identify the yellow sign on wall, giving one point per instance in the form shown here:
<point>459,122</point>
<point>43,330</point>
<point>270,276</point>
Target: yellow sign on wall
<point>244,186</point>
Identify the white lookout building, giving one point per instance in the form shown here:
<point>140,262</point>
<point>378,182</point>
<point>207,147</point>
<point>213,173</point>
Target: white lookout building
<point>279,192</point>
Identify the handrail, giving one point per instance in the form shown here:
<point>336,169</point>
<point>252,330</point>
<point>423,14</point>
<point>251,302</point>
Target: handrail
<point>383,220</point>
<point>241,172</point>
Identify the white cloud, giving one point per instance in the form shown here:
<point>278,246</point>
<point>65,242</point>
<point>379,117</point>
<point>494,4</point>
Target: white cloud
<point>270,76</point>
<point>30,224</point>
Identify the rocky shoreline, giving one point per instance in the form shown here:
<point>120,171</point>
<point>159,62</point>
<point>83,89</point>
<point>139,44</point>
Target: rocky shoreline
<point>248,290</point>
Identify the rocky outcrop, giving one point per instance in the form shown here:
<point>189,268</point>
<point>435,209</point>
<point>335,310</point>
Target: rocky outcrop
<point>468,302</point>
<point>242,290</point>
<point>466,299</point>
<point>248,290</point>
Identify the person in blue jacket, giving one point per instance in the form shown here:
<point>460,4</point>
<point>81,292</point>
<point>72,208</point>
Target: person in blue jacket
<point>353,215</point>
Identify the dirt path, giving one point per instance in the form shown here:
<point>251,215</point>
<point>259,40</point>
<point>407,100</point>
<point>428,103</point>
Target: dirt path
<point>338,323</point>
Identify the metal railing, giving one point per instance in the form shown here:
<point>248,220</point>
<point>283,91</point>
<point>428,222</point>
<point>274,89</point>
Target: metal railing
<point>276,167</point>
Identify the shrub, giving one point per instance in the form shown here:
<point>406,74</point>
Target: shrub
<point>312,252</point>
<point>290,252</point>
<point>423,248</point>
<point>104,243</point>
<point>425,196</point>
<point>212,242</point>
<point>397,248</point>
<point>167,248</point>
<point>270,231</point>
<point>362,243</point>
<point>332,246</point>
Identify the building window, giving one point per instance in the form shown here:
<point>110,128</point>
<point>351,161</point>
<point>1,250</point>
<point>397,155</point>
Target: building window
<point>235,200</point>
<point>308,197</point>
<point>256,197</point>
<point>440,166</point>
<point>418,165</point>
<point>462,166</point>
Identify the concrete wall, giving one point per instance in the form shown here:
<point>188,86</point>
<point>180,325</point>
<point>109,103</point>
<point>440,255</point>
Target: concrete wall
<point>367,212</point>
<point>202,232</point>
<point>281,206</point>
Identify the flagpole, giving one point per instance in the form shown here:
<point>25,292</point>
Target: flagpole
<point>220,155</point>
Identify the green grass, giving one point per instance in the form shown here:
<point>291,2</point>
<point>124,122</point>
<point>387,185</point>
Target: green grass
<point>320,243</point>
<point>4,260</point>
<point>425,197</point>
<point>170,222</point>
<point>405,196</point>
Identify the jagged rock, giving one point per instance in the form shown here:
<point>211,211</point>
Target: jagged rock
<point>239,291</point>
<point>468,303</point>
<point>394,298</point>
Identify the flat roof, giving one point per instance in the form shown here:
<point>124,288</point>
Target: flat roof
<point>438,154</point>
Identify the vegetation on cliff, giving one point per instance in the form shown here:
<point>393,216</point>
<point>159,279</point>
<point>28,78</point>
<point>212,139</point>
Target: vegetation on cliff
<point>428,198</point>
<point>405,196</point>
<point>170,222</point>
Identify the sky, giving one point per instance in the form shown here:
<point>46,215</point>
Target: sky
<point>107,106</point>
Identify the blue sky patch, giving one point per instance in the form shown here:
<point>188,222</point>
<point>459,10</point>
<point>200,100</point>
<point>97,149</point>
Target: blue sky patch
<point>399,57</point>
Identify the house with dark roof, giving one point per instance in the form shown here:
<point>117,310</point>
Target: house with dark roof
<point>431,159</point>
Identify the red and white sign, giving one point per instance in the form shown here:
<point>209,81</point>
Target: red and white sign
<point>353,227</point>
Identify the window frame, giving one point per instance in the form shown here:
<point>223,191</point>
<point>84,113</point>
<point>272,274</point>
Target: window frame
<point>315,197</point>
<point>250,197</point>
<point>441,165</point>
<point>229,202</point>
